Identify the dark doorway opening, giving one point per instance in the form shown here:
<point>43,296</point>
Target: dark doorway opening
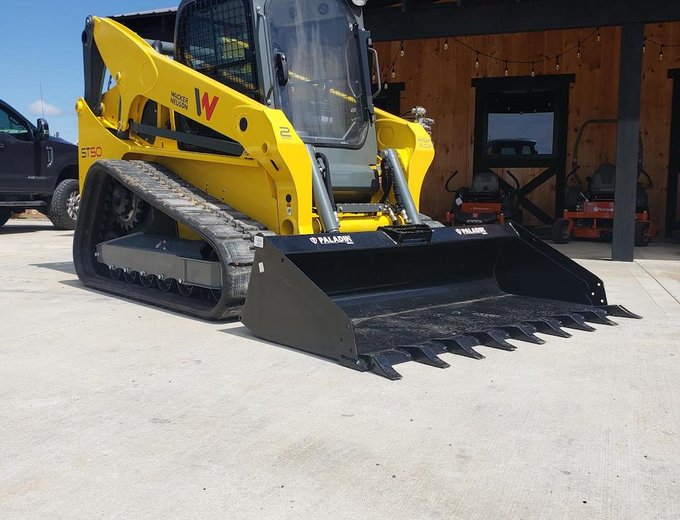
<point>389,98</point>
<point>521,122</point>
<point>672,195</point>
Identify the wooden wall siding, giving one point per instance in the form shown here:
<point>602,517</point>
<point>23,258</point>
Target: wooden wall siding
<point>439,80</point>
<point>655,115</point>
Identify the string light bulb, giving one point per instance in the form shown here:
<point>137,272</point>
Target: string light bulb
<point>661,53</point>
<point>644,45</point>
<point>544,60</point>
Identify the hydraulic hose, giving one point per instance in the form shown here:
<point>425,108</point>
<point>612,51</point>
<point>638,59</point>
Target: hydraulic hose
<point>324,207</point>
<point>401,191</point>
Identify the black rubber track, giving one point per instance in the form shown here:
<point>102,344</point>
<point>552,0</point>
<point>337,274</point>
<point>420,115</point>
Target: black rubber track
<point>229,232</point>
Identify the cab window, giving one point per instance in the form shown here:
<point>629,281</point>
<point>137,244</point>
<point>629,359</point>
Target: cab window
<point>11,125</point>
<point>215,38</point>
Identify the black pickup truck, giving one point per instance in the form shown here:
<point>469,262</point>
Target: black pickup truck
<point>36,171</point>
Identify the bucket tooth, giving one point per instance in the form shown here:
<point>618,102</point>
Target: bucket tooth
<point>427,354</point>
<point>620,312</point>
<point>462,345</point>
<point>355,363</point>
<point>523,332</point>
<point>596,316</point>
<point>494,338</point>
<point>550,326</point>
<point>381,362</point>
<point>574,321</point>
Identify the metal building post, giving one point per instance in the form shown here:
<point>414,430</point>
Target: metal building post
<point>627,141</point>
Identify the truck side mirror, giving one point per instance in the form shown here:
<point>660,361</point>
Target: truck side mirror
<point>43,129</point>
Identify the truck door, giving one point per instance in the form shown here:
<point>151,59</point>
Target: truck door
<point>19,164</point>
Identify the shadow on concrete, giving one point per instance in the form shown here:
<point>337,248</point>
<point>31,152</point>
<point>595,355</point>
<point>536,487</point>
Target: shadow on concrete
<point>594,250</point>
<point>243,332</point>
<point>12,229</point>
<point>80,285</point>
<point>77,283</point>
<point>64,267</point>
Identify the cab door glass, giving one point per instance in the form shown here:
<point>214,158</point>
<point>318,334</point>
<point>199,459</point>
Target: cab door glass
<point>11,125</point>
<point>320,89</point>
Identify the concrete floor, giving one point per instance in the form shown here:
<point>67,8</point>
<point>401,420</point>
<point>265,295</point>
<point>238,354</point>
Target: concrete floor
<point>110,409</point>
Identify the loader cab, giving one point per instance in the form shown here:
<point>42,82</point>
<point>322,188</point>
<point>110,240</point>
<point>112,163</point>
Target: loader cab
<point>307,58</point>
<point>321,80</point>
<point>318,80</point>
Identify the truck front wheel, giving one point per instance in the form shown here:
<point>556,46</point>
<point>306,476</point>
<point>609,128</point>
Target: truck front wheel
<point>64,205</point>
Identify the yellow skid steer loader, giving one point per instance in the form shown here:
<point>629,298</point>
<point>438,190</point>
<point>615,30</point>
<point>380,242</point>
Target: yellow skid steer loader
<point>242,170</point>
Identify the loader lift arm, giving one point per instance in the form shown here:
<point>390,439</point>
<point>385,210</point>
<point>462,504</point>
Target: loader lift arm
<point>142,75</point>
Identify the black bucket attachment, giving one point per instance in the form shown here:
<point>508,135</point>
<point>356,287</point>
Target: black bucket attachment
<point>373,300</point>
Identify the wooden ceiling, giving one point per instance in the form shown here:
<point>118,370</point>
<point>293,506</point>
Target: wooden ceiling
<point>413,19</point>
<point>390,20</point>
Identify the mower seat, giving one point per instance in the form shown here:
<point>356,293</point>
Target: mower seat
<point>603,182</point>
<point>487,201</point>
<point>485,185</point>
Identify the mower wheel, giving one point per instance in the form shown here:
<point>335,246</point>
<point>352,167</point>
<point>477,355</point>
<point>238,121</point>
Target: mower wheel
<point>560,231</point>
<point>641,234</point>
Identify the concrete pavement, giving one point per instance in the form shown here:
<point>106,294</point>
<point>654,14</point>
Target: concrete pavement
<point>114,410</point>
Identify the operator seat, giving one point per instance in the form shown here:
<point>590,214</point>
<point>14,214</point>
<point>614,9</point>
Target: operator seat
<point>603,185</point>
<point>603,182</point>
<point>484,185</point>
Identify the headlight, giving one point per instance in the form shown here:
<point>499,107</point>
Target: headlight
<point>359,3</point>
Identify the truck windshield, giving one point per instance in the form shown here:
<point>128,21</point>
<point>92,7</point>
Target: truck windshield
<point>321,96</point>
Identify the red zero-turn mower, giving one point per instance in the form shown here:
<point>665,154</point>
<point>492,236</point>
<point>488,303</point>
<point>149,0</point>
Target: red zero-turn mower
<point>589,213</point>
<point>484,202</point>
